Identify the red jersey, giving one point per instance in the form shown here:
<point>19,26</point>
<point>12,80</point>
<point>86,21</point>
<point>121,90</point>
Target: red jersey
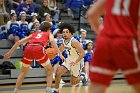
<point>41,38</point>
<point>122,18</point>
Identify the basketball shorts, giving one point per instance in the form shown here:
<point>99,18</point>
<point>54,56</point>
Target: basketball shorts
<point>113,54</point>
<point>34,52</point>
<point>74,70</point>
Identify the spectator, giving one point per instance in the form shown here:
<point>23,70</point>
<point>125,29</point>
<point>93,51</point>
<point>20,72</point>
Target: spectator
<point>86,5</point>
<point>48,18</point>
<point>83,39</point>
<point>23,25</point>
<point>55,12</point>
<point>3,13</point>
<point>87,57</point>
<point>13,28</point>
<point>75,7</point>
<point>34,19</point>
<point>27,7</point>
<point>44,9</point>
<point>35,27</point>
<point>12,4</point>
<point>59,37</point>
<point>54,26</point>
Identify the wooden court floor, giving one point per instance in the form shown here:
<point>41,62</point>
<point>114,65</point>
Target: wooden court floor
<point>117,86</point>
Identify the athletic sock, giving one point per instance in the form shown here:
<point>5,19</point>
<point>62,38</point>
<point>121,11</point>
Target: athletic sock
<point>15,90</point>
<point>82,77</point>
<point>57,90</point>
<point>75,85</point>
<point>54,76</point>
<point>48,88</point>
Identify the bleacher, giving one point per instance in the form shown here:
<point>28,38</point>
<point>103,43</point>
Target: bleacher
<point>32,76</point>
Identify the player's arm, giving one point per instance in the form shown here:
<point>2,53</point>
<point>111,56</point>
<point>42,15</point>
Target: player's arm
<point>18,43</point>
<point>61,47</point>
<point>94,15</point>
<point>54,45</point>
<point>79,49</point>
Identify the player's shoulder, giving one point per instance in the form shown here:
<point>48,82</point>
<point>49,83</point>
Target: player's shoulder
<point>74,42</point>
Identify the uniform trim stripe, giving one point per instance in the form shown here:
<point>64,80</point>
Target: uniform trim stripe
<point>135,70</point>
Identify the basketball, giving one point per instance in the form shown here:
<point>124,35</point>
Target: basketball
<point>51,52</point>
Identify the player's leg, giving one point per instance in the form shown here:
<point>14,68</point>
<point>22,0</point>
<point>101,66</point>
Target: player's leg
<point>24,72</point>
<point>55,67</point>
<point>130,54</point>
<point>76,75</point>
<point>60,71</point>
<point>75,80</point>
<point>102,67</point>
<point>49,70</point>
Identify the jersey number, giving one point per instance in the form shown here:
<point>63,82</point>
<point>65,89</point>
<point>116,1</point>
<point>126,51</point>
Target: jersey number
<point>39,35</point>
<point>68,50</point>
<point>117,10</point>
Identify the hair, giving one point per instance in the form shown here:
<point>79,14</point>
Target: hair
<point>66,26</point>
<point>12,14</point>
<point>33,26</point>
<point>45,26</point>
<point>88,44</point>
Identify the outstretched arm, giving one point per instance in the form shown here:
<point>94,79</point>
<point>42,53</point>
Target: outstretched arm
<point>94,14</point>
<point>9,53</point>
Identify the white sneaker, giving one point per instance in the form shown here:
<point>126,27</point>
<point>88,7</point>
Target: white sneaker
<point>61,81</point>
<point>84,80</point>
<point>49,91</point>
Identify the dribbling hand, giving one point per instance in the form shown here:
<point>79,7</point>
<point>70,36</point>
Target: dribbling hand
<point>73,63</point>
<point>62,58</point>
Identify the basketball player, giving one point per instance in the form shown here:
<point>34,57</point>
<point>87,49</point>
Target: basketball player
<point>116,44</point>
<point>74,61</point>
<point>35,50</point>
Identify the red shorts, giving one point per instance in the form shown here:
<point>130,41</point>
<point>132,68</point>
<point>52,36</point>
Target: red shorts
<point>112,54</point>
<point>36,52</point>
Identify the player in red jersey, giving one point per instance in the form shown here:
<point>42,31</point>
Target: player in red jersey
<point>35,50</point>
<point>116,44</point>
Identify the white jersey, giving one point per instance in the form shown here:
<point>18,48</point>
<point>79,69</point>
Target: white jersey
<point>72,52</point>
<point>72,57</point>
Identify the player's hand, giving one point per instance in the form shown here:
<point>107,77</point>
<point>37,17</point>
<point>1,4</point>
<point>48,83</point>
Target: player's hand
<point>62,58</point>
<point>73,63</point>
<point>7,55</point>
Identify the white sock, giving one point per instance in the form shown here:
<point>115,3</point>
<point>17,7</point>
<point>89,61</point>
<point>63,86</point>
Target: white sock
<point>54,76</point>
<point>57,90</point>
<point>48,88</point>
<point>15,90</point>
<point>75,85</point>
<point>82,77</point>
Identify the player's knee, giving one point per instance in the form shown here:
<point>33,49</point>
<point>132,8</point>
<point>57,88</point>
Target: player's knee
<point>46,63</point>
<point>59,73</point>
